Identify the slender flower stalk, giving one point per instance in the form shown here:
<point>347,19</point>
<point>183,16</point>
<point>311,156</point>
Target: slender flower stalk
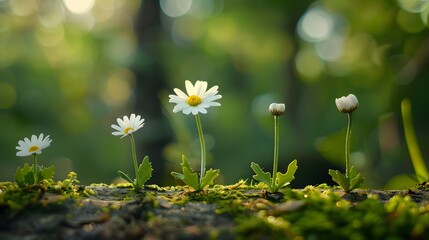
<point>203,147</point>
<point>35,169</point>
<point>347,145</point>
<point>276,148</point>
<point>133,152</point>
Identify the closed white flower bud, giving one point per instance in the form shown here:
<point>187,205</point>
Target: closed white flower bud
<point>277,109</point>
<point>347,104</point>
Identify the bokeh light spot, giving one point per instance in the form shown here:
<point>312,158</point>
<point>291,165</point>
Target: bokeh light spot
<point>175,8</point>
<point>316,25</point>
<point>51,13</point>
<point>119,87</point>
<point>409,22</point>
<point>79,6</point>
<point>331,49</point>
<point>23,7</point>
<point>414,6</point>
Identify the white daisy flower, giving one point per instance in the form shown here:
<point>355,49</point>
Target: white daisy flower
<point>29,147</point>
<point>127,125</point>
<point>197,99</point>
<point>347,104</point>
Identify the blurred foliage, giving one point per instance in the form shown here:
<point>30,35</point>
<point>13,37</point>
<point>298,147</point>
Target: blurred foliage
<point>69,70</point>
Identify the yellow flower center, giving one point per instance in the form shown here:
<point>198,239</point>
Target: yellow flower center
<point>126,130</point>
<point>33,149</point>
<point>193,100</point>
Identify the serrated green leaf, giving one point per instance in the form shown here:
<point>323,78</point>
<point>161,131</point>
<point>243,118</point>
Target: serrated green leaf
<point>185,163</point>
<point>177,175</point>
<point>356,179</point>
<point>340,179</point>
<point>125,176</point>
<point>285,179</point>
<point>209,177</point>
<point>47,173</point>
<point>24,176</point>
<point>190,178</point>
<point>145,172</point>
<point>260,175</point>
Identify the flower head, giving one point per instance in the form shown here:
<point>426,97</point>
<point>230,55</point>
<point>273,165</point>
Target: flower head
<point>127,125</point>
<point>197,99</point>
<point>29,147</point>
<point>277,109</point>
<point>347,104</point>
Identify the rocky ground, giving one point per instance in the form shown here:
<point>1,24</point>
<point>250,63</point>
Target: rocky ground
<point>223,212</point>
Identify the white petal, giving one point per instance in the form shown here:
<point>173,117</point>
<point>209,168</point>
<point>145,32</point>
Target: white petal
<point>116,127</point>
<point>190,89</point>
<point>126,121</point>
<point>180,93</point>
<point>117,133</point>
<point>202,87</point>
<point>120,122</point>
<point>212,90</point>
<point>187,111</point>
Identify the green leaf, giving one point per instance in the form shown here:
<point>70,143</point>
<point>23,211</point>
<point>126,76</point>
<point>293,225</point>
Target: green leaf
<point>260,175</point>
<point>24,176</point>
<point>209,177</point>
<point>190,178</point>
<point>125,176</point>
<point>19,176</point>
<point>145,172</point>
<point>285,179</point>
<point>29,178</point>
<point>340,179</point>
<point>47,173</point>
<point>177,175</point>
<point>356,179</point>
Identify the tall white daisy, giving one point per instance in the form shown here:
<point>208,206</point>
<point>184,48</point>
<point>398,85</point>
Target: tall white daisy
<point>197,99</point>
<point>29,147</point>
<point>127,125</point>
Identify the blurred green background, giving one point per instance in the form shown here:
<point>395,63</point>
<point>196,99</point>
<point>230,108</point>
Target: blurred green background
<point>69,68</point>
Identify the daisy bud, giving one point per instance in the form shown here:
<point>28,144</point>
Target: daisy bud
<point>347,104</point>
<point>277,109</point>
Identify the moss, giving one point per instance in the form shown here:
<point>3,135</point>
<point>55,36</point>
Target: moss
<point>239,211</point>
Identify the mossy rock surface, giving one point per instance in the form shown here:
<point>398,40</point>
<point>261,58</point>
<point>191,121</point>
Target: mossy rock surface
<point>236,211</point>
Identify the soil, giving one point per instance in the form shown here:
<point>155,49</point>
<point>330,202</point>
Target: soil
<point>157,213</point>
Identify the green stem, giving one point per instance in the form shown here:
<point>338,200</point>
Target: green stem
<point>35,169</point>
<point>412,144</point>
<point>203,147</point>
<point>133,149</point>
<point>276,150</point>
<point>347,147</point>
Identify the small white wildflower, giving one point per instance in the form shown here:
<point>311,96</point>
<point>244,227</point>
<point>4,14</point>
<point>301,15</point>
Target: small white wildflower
<point>127,125</point>
<point>197,99</point>
<point>29,147</point>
